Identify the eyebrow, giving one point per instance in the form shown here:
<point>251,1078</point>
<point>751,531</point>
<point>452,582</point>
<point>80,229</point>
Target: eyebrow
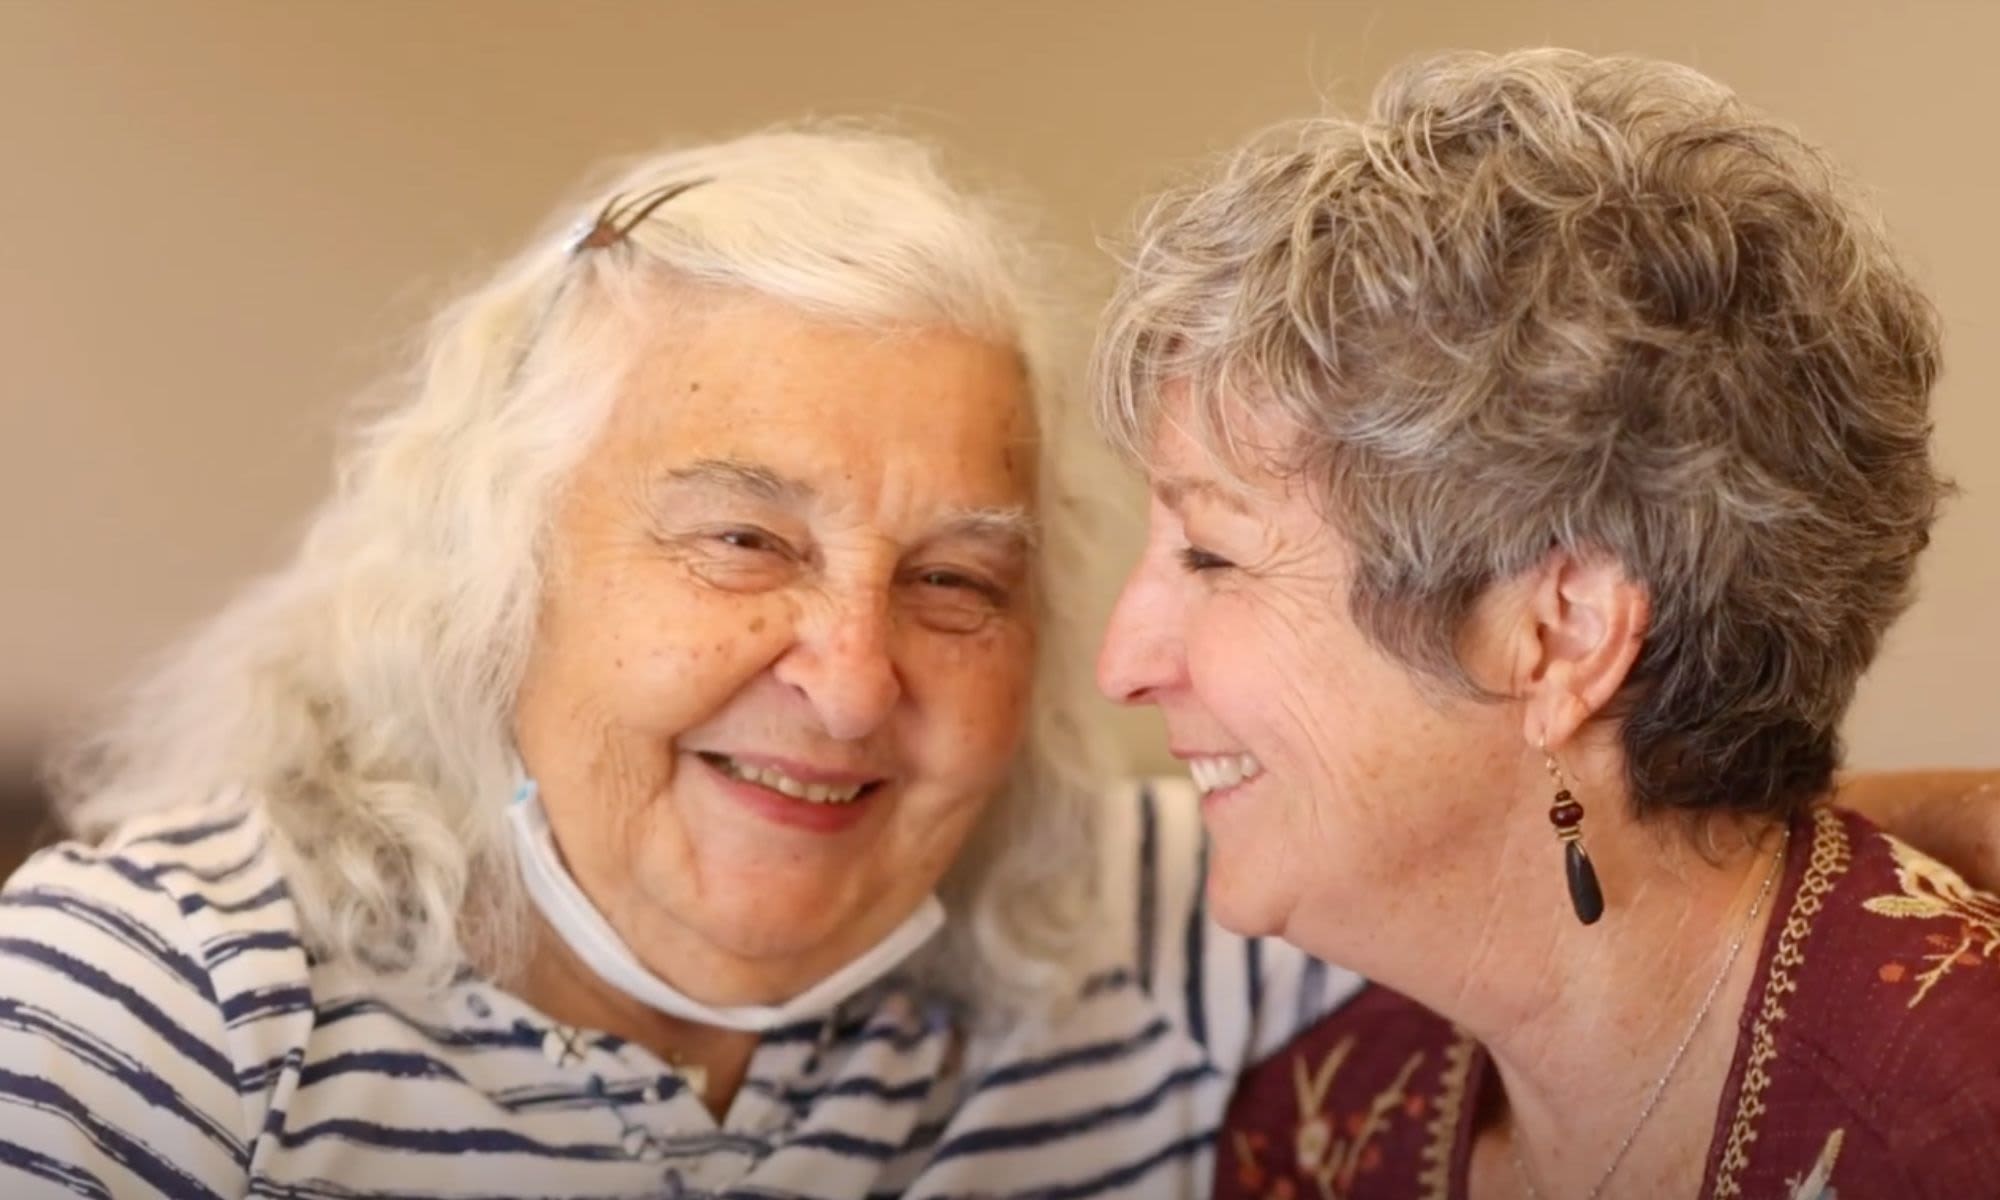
<point>1174,491</point>
<point>745,479</point>
<point>1012,525</point>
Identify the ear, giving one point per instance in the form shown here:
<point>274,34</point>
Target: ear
<point>1583,627</point>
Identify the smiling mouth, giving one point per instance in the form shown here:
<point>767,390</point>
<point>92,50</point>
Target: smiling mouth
<point>778,781</point>
<point>1220,772</point>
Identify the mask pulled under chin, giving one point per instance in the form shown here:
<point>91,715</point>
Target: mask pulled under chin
<point>570,913</point>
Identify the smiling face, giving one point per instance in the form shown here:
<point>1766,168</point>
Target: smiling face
<point>784,653</point>
<point>1333,785</point>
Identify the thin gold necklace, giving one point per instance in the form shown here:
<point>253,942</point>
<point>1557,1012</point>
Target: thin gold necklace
<point>1680,1051</point>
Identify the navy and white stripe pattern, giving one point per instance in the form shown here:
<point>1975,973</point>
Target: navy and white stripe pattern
<point>164,1033</point>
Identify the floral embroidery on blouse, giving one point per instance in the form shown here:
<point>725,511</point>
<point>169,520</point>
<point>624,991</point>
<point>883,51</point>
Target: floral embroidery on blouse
<point>1932,891</point>
<point>1330,1148</point>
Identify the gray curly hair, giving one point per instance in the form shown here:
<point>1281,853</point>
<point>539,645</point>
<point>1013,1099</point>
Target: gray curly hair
<point>1544,300</point>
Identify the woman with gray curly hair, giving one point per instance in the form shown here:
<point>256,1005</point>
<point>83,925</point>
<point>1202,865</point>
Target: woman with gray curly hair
<point>1536,466</point>
<point>663,769</point>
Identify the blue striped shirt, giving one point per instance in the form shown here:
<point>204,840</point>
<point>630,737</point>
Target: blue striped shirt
<point>164,1032</point>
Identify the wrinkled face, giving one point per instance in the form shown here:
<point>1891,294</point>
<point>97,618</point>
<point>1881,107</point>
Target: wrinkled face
<point>785,647</point>
<point>1334,790</point>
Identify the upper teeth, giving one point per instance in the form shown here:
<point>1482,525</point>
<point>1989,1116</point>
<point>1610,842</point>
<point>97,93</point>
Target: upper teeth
<point>1214,774</point>
<point>778,781</point>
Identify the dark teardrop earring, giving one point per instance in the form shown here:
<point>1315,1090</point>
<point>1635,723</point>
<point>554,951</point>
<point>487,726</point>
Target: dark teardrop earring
<point>1566,814</point>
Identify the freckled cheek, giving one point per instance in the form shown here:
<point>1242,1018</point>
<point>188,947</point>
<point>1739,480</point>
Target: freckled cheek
<point>673,665</point>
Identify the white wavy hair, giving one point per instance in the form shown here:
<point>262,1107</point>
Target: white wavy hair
<point>363,693</point>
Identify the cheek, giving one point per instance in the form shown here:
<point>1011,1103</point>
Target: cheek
<point>1238,658</point>
<point>1297,692</point>
<point>660,658</point>
<point>1370,771</point>
<point>972,697</point>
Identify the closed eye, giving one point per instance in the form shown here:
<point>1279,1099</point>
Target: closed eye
<point>735,557</point>
<point>953,601</point>
<point>1195,560</point>
<point>939,577</point>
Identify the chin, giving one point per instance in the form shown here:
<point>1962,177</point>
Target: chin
<point>777,930</point>
<point>752,916</point>
<point>1243,910</point>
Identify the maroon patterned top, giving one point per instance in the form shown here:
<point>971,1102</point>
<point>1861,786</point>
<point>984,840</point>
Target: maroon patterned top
<point>1867,1066</point>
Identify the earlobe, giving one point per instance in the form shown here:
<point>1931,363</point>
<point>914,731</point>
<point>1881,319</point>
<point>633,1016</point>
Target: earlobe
<point>1556,713</point>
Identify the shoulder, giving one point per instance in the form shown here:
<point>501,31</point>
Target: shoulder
<point>1381,1073</point>
<point>1375,1033</point>
<point>138,983</point>
<point>1108,1087</point>
<point>1877,1005</point>
<point>1885,941</point>
<point>203,881</point>
<point>176,892</point>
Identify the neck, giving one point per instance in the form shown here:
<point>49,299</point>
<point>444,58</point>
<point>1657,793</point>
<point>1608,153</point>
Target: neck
<point>563,986</point>
<point>1582,1022</point>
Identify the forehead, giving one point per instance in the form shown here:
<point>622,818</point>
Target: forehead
<point>865,414</point>
<point>1185,459</point>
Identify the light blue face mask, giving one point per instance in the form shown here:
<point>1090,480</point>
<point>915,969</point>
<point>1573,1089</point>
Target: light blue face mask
<point>570,913</point>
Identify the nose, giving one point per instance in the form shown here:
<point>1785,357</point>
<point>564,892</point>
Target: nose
<point>1142,651</point>
<point>842,664</point>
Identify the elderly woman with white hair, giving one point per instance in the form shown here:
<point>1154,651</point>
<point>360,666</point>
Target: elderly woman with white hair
<point>662,769</point>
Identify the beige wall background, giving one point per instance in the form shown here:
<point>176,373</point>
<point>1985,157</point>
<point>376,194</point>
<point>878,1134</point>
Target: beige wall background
<point>222,219</point>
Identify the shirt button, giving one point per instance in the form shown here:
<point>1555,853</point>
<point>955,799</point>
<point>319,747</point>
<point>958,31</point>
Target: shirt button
<point>652,1093</point>
<point>559,1046</point>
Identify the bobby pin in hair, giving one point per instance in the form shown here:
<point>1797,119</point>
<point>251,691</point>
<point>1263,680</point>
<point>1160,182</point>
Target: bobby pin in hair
<point>620,215</point>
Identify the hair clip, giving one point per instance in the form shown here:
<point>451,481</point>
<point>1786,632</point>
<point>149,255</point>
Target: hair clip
<point>620,215</point>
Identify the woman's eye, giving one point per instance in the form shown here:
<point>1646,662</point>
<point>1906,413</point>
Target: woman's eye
<point>737,558</point>
<point>954,601</point>
<point>754,540</point>
<point>1195,560</point>
<point>960,586</point>
<point>951,579</point>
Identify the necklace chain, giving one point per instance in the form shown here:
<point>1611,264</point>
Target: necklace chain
<point>1680,1051</point>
